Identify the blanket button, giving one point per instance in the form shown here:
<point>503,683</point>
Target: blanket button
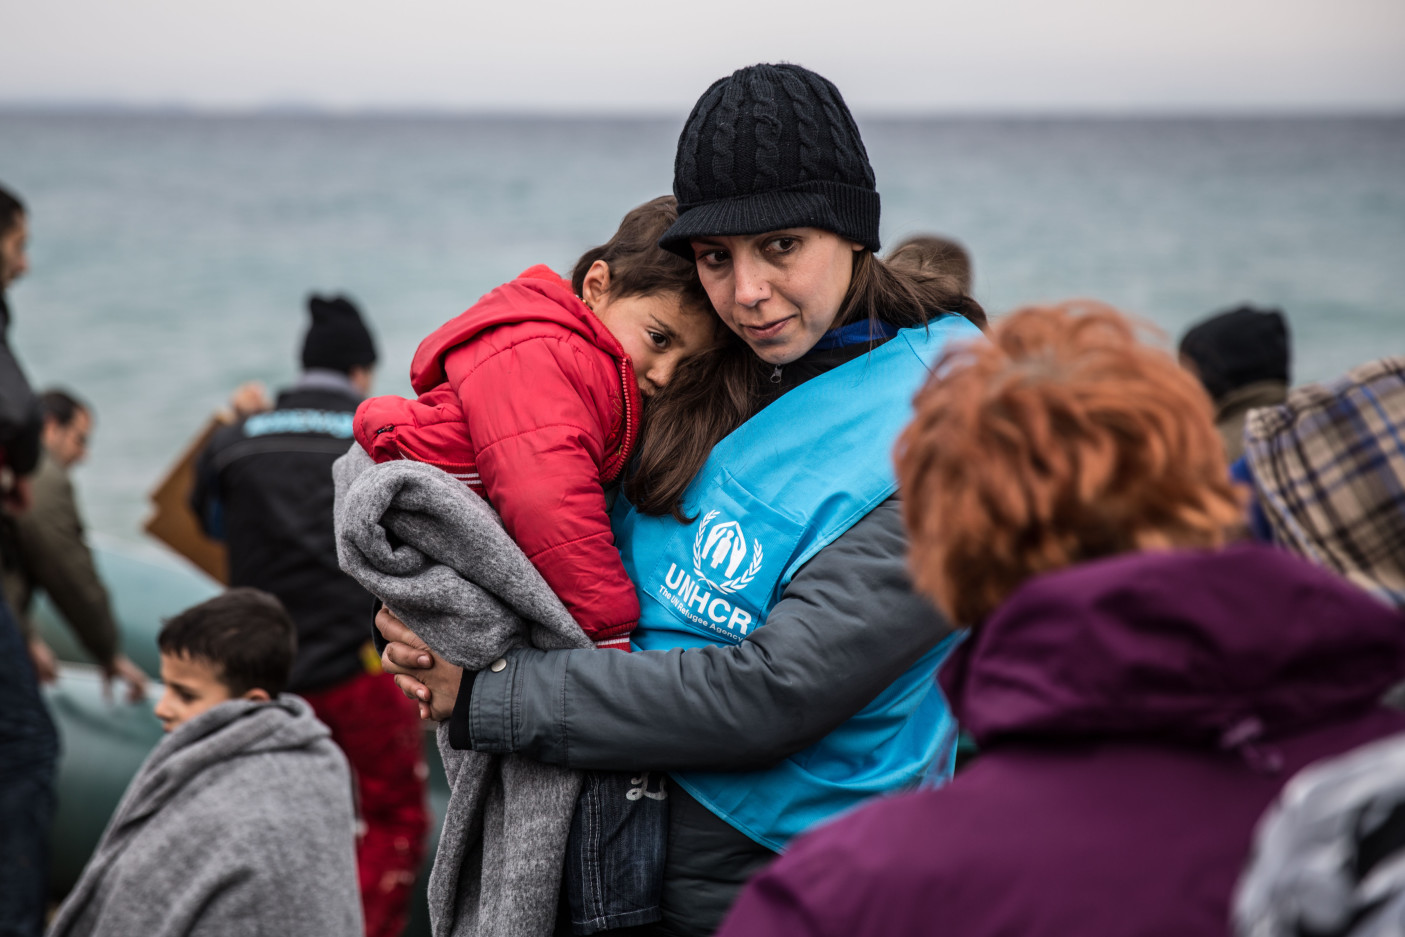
<point>498,666</point>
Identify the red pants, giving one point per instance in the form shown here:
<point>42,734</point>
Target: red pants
<point>379,730</point>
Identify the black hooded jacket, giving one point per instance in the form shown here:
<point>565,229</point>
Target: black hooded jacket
<point>264,486</point>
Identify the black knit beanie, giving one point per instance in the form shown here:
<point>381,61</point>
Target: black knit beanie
<point>337,339</point>
<point>770,147</point>
<point>1238,347</point>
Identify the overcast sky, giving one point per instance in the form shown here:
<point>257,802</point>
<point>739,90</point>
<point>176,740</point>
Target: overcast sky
<point>619,55</point>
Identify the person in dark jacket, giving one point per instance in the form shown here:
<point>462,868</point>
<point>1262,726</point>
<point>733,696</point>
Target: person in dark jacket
<point>785,666</point>
<point>1242,357</point>
<point>264,487</point>
<point>45,548</point>
<point>28,742</point>
<point>1140,687</point>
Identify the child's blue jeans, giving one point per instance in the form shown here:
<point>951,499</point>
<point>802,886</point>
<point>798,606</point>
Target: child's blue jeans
<point>615,853</point>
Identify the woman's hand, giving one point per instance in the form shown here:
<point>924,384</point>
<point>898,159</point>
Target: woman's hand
<point>419,673</point>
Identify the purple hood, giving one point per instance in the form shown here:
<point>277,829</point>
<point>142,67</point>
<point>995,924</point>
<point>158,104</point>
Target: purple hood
<point>1208,647</point>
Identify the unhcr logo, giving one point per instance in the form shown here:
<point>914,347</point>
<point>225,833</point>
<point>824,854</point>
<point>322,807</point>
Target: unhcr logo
<point>725,547</point>
<point>719,552</point>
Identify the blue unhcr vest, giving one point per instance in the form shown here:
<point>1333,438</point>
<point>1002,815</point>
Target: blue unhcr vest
<point>772,494</point>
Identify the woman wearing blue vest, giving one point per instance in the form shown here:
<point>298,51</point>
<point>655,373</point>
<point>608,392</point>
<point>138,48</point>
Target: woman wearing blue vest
<point>784,669</point>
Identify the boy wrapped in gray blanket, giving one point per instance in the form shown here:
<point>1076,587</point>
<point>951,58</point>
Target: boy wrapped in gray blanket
<point>240,822</point>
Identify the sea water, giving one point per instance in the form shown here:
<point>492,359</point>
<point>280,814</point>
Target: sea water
<point>172,254</point>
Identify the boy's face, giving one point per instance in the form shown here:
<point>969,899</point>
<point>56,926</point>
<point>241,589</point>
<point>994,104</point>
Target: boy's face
<point>193,685</point>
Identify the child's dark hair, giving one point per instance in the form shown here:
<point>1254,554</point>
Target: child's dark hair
<point>245,634</point>
<point>638,266</point>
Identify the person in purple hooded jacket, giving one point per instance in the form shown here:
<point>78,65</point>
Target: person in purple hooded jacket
<point>1140,686</point>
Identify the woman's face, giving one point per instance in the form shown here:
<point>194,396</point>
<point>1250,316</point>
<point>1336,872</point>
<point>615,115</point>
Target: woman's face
<point>779,291</point>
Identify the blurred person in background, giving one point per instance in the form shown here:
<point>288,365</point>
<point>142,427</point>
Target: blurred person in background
<point>1242,357</point>
<point>264,486</point>
<point>934,255</point>
<point>1327,469</point>
<point>28,741</point>
<point>1140,685</point>
<point>44,548</point>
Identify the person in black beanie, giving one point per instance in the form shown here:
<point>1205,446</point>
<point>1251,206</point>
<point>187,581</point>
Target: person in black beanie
<point>784,666</point>
<point>264,486</point>
<point>1241,355</point>
<point>338,340</point>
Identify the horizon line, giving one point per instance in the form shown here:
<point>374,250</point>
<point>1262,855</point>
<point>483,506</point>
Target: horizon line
<point>544,112</point>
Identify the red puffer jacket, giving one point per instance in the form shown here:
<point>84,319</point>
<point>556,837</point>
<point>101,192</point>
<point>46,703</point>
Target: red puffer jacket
<point>529,400</point>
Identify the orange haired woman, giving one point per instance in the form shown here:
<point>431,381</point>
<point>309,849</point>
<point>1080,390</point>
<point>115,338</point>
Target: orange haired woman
<point>1139,686</point>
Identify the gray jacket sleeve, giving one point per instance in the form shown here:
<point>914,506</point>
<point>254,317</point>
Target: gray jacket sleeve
<point>847,626</point>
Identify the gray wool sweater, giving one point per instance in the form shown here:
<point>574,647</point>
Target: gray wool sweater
<point>437,555</point>
<point>238,824</point>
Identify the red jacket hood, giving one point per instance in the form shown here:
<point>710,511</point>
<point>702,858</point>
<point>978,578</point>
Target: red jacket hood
<point>505,305</point>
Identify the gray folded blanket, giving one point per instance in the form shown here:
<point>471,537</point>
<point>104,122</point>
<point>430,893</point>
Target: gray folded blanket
<point>438,557</point>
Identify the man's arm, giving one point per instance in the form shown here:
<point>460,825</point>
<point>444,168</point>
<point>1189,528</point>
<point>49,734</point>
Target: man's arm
<point>57,556</point>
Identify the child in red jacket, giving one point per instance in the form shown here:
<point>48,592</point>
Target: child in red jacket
<point>532,398</point>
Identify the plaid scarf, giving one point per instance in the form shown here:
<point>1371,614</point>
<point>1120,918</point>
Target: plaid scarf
<point>1329,471</point>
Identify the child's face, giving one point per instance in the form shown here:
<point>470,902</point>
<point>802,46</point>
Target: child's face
<point>193,686</point>
<point>658,332</point>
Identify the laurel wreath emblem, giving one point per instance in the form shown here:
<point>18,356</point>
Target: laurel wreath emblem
<point>729,586</point>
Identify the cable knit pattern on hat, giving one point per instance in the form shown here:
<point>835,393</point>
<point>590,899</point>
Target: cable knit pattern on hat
<point>806,126</point>
<point>768,134</point>
<point>724,140</point>
<point>851,156</point>
<point>685,163</point>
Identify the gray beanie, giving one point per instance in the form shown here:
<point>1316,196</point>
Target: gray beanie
<point>770,147</point>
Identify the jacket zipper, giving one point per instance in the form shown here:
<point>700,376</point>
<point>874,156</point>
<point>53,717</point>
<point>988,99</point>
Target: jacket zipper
<point>630,422</point>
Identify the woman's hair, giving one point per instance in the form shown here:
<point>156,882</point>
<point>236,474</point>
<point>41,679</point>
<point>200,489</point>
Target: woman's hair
<point>711,395</point>
<point>638,266</point>
<point>1060,440</point>
<point>708,396</point>
<point>903,295</point>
